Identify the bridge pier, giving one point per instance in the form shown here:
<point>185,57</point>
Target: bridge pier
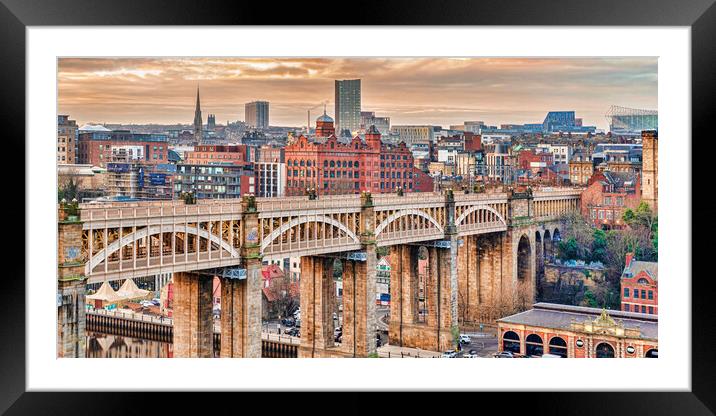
<point>241,315</point>
<point>406,327</point>
<point>71,288</point>
<point>193,318</point>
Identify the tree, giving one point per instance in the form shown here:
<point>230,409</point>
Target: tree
<point>283,302</point>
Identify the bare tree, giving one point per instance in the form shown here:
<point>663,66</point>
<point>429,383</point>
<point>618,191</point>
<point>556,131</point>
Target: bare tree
<point>282,302</point>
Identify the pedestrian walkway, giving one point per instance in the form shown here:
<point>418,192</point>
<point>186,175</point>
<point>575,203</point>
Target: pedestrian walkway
<point>395,351</point>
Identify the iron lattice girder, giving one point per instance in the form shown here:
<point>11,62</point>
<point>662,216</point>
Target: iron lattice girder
<point>347,255</point>
<point>234,273</point>
<point>437,243</point>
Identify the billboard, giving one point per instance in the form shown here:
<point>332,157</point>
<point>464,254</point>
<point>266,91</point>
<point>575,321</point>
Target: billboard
<point>118,167</point>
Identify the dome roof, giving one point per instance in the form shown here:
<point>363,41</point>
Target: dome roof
<point>325,118</point>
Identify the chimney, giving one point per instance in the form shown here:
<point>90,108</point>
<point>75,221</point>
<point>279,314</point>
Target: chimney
<point>629,258</point>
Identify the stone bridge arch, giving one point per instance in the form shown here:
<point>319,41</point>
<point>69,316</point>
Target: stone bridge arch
<point>277,233</point>
<point>132,238</point>
<point>472,209</point>
<point>407,212</point>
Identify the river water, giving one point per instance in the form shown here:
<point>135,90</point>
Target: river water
<point>101,345</point>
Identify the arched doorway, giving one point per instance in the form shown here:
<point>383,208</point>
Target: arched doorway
<point>511,342</point>
<point>534,345</point>
<point>558,346</point>
<point>604,350</point>
<point>652,353</point>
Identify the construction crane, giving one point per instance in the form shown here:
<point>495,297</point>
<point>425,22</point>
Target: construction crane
<point>308,120</point>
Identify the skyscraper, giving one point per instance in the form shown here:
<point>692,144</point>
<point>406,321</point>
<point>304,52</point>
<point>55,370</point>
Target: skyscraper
<point>198,125</point>
<point>257,114</point>
<point>347,106</point>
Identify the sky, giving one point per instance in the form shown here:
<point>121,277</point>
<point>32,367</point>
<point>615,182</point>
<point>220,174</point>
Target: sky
<point>436,91</point>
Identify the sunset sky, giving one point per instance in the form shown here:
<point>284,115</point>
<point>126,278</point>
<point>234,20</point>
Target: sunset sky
<point>439,91</point>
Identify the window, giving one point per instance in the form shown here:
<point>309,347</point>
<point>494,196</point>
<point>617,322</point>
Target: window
<point>651,295</point>
<point>626,307</point>
<point>643,294</point>
<point>643,309</point>
<point>626,292</point>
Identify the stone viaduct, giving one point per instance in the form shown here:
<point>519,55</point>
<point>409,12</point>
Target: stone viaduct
<point>480,251</point>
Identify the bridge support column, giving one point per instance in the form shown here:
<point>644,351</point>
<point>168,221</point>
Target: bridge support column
<point>241,299</point>
<point>241,316</point>
<point>467,279</point>
<point>71,287</point>
<point>317,289</point>
<point>364,305</point>
<point>193,319</point>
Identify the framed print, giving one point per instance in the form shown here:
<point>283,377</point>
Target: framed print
<point>313,207</point>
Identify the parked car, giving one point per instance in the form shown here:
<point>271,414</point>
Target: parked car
<point>292,332</point>
<point>450,354</point>
<point>473,352</point>
<point>464,339</point>
<point>469,355</point>
<point>504,354</point>
<point>288,322</point>
<point>298,323</point>
<point>338,330</point>
<point>378,341</point>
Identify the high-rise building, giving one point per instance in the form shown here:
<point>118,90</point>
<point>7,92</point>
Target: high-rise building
<point>198,125</point>
<point>368,118</point>
<point>66,140</point>
<point>347,106</point>
<point>257,114</point>
<point>650,168</point>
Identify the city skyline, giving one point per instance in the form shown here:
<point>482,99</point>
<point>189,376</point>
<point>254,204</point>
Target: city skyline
<point>438,91</point>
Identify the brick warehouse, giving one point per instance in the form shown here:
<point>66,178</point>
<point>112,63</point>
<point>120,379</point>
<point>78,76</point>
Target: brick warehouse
<point>333,168</point>
<point>578,332</point>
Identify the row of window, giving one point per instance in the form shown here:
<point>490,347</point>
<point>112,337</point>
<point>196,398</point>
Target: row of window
<point>619,200</point>
<point>644,294</point>
<point>603,214</point>
<point>644,309</point>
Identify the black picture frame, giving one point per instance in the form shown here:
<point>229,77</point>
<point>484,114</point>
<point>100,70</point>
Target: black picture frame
<point>15,15</point>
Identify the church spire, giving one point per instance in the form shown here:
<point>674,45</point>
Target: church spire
<point>198,123</point>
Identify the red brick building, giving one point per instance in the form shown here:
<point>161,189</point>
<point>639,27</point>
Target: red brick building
<point>607,196</point>
<point>578,332</point>
<point>533,160</point>
<point>324,126</point>
<point>473,142</point>
<point>331,167</point>
<point>640,286</point>
<point>97,148</point>
<point>211,154</point>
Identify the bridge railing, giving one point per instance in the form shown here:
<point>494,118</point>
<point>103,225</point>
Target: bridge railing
<point>95,213</point>
<point>302,203</point>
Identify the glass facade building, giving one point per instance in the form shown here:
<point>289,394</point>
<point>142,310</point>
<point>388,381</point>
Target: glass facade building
<point>348,117</point>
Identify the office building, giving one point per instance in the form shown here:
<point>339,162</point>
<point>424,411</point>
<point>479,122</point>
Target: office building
<point>257,115</point>
<point>348,105</point>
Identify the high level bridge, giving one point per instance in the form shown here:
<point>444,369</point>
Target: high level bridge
<point>482,251</point>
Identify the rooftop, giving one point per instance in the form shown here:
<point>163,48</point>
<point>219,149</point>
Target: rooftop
<point>555,316</point>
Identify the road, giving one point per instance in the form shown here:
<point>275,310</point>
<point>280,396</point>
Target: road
<point>484,342</point>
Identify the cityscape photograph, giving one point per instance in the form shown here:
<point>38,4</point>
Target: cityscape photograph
<point>363,207</point>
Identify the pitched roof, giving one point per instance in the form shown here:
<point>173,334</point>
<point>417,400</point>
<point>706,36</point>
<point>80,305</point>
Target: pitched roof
<point>636,267</point>
<point>555,316</point>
